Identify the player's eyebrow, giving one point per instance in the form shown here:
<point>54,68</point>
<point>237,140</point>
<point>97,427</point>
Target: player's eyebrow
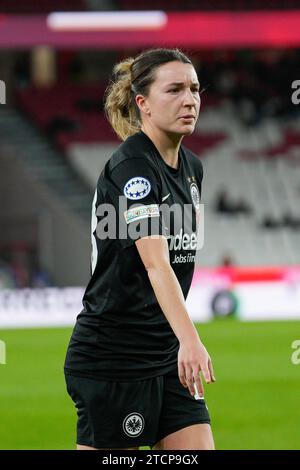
<point>182,83</point>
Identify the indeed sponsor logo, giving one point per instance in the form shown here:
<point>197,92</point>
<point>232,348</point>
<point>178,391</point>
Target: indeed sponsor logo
<point>189,258</point>
<point>183,241</point>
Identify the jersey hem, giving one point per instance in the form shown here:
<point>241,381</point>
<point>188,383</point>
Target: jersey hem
<point>104,378</point>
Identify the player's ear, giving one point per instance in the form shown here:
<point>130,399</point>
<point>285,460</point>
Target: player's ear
<point>142,104</point>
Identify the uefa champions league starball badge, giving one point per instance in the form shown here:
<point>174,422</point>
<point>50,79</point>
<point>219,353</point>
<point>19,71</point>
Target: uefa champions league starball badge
<point>137,188</point>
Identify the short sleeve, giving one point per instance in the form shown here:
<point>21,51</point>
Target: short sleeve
<point>135,192</point>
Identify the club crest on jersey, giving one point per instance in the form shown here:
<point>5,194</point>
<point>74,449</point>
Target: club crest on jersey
<point>195,195</point>
<point>137,188</point>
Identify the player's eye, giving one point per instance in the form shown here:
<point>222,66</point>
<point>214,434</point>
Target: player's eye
<point>173,90</point>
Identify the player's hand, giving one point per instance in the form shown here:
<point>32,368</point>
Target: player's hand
<point>193,358</point>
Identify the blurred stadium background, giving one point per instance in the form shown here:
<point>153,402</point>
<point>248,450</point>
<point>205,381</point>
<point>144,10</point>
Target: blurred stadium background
<point>54,141</point>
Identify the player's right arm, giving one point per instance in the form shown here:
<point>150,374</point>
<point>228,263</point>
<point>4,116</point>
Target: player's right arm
<point>192,356</point>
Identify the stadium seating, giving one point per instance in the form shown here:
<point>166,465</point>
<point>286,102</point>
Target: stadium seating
<point>258,164</point>
<point>74,114</point>
<point>270,186</point>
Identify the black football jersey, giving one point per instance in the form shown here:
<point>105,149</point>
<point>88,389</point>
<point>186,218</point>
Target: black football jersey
<point>122,334</point>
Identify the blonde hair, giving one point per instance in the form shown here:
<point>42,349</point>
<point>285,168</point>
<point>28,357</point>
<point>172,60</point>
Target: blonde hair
<point>134,76</point>
<point>120,110</point>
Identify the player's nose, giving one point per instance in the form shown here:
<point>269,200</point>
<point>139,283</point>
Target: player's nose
<point>189,98</point>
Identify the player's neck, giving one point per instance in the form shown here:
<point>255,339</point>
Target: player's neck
<point>167,144</point>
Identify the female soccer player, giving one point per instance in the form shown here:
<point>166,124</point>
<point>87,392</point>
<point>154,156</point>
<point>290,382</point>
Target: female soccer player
<point>134,359</point>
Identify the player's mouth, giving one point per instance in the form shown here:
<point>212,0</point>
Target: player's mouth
<point>188,117</point>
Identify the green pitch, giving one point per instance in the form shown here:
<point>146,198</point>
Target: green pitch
<point>255,403</point>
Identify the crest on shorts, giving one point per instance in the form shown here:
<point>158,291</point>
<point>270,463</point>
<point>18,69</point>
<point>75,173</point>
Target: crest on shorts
<point>133,424</point>
<point>137,188</point>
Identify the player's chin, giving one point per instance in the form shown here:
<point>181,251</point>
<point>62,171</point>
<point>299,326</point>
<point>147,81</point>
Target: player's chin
<point>182,129</point>
<point>187,129</point>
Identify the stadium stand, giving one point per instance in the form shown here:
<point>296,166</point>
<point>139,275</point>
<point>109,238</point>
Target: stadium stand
<point>247,137</point>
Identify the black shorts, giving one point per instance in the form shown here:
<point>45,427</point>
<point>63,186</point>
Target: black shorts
<point>132,414</point>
